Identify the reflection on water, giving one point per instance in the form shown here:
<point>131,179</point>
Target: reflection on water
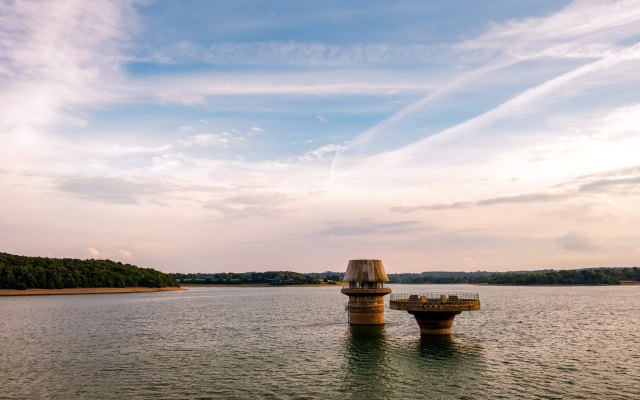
<point>379,364</point>
<point>437,347</point>
<point>446,365</point>
<point>365,334</point>
<point>367,362</point>
<point>449,348</point>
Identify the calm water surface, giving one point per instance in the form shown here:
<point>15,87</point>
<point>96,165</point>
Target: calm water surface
<point>294,343</point>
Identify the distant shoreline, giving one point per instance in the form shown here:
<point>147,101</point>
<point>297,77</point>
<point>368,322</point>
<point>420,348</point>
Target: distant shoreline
<point>625,283</point>
<point>338,284</point>
<point>106,290</point>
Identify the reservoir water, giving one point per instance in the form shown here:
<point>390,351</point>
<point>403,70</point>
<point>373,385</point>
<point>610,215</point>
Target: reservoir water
<point>294,343</point>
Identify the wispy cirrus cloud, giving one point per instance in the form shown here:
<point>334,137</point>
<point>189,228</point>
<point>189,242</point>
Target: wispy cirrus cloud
<point>585,30</point>
<point>238,204</point>
<point>579,188</point>
<point>522,103</point>
<point>319,153</point>
<point>577,241</point>
<point>58,60</point>
<point>590,29</point>
<point>293,53</point>
<point>517,199</point>
<point>208,139</point>
<point>176,96</point>
<point>368,227</point>
<point>193,89</point>
<point>110,189</point>
<point>42,80</point>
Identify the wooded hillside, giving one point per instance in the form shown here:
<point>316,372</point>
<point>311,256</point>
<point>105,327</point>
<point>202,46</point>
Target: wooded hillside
<point>22,272</point>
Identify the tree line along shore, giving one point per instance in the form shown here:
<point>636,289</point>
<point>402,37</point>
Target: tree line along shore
<point>22,272</point>
<point>586,276</point>
<point>273,278</point>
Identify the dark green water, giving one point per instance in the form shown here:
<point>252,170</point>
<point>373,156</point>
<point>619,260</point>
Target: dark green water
<point>293,343</point>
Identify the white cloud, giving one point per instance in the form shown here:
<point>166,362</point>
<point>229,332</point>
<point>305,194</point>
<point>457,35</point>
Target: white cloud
<point>293,54</point>
<point>242,203</point>
<point>194,89</point>
<point>577,241</point>
<point>125,255</point>
<point>92,252</point>
<point>177,97</point>
<point>208,139</point>
<point>585,29</point>
<point>58,58</point>
<point>110,189</point>
<point>621,121</point>
<point>582,29</point>
<point>42,79</point>
<point>320,152</point>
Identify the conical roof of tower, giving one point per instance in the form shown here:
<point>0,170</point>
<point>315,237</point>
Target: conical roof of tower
<point>365,271</point>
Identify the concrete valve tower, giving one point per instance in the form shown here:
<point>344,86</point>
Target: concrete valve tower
<point>366,291</point>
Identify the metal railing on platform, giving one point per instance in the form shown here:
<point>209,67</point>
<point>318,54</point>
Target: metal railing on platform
<point>440,296</point>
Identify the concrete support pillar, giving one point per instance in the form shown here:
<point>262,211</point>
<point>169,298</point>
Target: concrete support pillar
<point>435,323</point>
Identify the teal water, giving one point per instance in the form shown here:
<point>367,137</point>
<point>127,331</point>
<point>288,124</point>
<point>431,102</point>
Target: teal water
<point>294,343</point>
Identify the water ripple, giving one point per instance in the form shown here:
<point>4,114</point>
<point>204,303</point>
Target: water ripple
<point>293,343</point>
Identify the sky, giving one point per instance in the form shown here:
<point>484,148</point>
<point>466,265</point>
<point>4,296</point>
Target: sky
<point>213,136</point>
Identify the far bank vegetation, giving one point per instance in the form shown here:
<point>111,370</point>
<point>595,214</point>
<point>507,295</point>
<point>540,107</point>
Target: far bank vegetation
<point>274,278</point>
<point>586,276</point>
<point>21,272</point>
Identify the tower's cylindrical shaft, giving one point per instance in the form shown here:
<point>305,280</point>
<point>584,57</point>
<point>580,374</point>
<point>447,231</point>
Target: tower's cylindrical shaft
<point>366,310</point>
<point>435,323</point>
